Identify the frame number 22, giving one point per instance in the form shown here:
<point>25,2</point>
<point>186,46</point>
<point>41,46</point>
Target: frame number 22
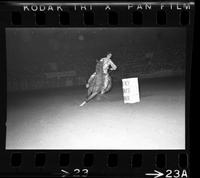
<point>80,173</point>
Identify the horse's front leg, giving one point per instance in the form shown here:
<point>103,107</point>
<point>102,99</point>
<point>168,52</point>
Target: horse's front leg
<point>107,85</point>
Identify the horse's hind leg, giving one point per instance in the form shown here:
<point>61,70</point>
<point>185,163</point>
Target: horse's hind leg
<point>89,92</point>
<point>89,98</point>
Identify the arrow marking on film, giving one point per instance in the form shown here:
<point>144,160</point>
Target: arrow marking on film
<point>65,173</point>
<point>156,174</point>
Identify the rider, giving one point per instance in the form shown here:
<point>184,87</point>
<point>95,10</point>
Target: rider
<point>107,62</point>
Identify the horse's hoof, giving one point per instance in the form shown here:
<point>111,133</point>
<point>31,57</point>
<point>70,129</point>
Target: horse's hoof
<point>83,103</point>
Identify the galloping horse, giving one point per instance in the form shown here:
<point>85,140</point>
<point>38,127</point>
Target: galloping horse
<point>96,85</point>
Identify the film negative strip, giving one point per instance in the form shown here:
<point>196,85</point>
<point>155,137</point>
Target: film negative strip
<point>95,89</point>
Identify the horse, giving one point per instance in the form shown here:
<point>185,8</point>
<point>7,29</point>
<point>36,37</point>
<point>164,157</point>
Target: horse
<point>96,85</point>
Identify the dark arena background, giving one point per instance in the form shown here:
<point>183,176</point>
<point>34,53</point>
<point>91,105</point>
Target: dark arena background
<point>47,70</point>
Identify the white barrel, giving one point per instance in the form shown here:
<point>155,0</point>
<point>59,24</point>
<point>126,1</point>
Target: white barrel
<point>131,90</point>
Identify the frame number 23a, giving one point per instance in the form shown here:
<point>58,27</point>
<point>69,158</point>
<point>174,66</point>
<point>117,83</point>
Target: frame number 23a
<point>176,173</point>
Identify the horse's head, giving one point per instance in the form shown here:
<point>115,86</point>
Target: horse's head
<point>112,64</point>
